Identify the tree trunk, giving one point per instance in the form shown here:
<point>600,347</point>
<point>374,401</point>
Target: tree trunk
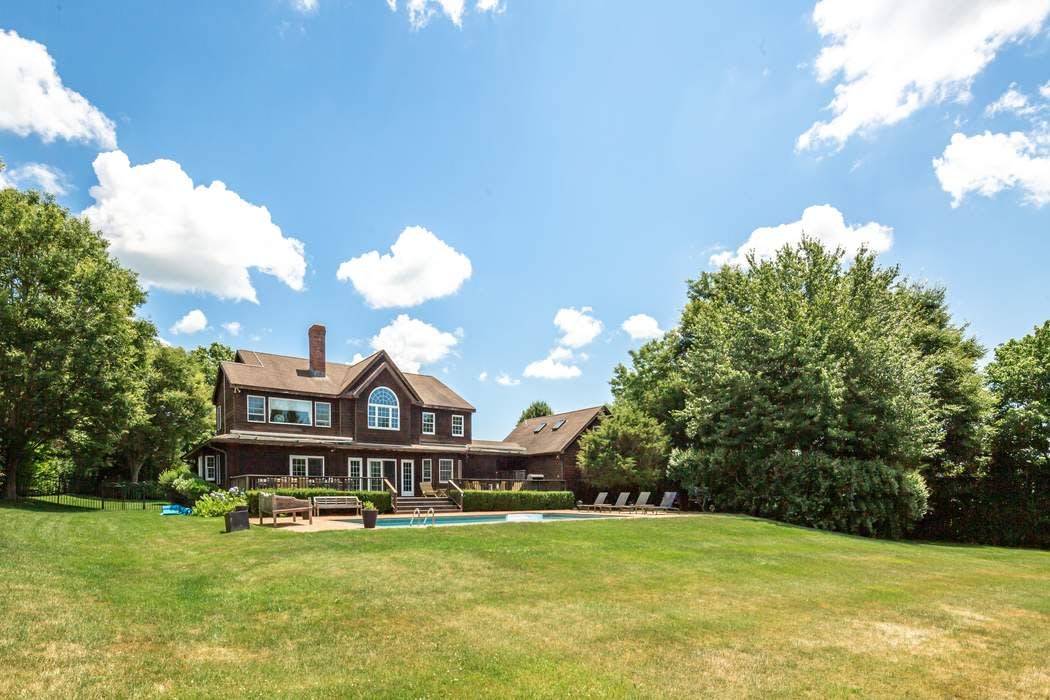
<point>134,467</point>
<point>11,477</point>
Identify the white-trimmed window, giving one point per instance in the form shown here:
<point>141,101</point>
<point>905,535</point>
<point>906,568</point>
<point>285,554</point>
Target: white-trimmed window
<point>428,470</point>
<point>209,468</point>
<point>444,470</point>
<point>322,414</point>
<point>429,423</point>
<point>457,426</point>
<point>300,465</point>
<point>384,412</point>
<point>291,411</point>
<point>256,409</point>
<point>354,471</point>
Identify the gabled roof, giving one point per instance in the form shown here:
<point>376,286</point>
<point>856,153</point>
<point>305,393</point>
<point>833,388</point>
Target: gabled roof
<point>262,370</point>
<point>547,440</point>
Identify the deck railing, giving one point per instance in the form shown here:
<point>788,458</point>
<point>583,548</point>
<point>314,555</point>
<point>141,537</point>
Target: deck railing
<point>393,493</point>
<point>455,493</point>
<point>513,484</point>
<point>248,482</point>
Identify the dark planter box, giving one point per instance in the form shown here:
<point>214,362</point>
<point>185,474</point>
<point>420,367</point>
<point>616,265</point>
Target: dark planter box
<point>237,520</point>
<point>369,516</point>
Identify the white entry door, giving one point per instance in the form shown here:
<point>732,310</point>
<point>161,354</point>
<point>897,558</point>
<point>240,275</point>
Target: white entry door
<point>408,478</point>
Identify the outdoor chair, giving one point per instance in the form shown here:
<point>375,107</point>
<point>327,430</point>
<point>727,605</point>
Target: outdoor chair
<point>641,503</point>
<point>517,486</point>
<point>621,501</point>
<point>428,491</point>
<point>666,505</point>
<point>273,505</point>
<point>598,502</point>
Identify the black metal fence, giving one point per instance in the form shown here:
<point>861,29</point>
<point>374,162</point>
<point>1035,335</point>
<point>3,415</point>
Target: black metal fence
<point>87,495</point>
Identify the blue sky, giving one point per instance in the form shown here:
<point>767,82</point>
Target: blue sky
<point>585,156</point>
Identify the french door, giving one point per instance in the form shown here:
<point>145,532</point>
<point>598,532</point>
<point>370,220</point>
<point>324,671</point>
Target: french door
<point>408,478</point>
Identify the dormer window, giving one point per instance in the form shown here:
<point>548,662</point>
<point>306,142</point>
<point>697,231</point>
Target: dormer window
<point>384,412</point>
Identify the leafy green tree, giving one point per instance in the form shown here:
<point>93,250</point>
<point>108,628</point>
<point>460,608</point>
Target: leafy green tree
<point>806,399</point>
<point>536,409</point>
<point>961,403</point>
<point>627,449</point>
<point>209,358</point>
<point>1016,493</point>
<point>654,383</point>
<point>66,326</point>
<point>177,411</point>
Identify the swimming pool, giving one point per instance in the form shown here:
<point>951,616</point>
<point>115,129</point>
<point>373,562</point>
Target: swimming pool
<point>406,521</point>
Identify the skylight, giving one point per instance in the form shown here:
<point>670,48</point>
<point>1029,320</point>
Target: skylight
<point>559,424</point>
<point>539,427</point>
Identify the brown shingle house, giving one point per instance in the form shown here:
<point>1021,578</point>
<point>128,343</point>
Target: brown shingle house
<point>552,442</point>
<point>365,425</point>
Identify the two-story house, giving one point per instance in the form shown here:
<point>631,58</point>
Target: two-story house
<point>366,426</point>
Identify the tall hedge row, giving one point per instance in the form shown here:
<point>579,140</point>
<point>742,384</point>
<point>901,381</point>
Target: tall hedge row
<point>518,500</point>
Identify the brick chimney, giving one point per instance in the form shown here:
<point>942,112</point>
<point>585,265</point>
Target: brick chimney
<point>316,334</point>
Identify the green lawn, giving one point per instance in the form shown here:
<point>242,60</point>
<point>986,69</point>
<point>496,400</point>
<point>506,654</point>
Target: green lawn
<point>133,603</point>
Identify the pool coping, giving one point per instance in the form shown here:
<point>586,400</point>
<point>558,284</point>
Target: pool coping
<point>330,523</point>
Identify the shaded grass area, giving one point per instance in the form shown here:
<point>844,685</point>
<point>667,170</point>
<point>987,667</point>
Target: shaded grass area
<point>132,603</point>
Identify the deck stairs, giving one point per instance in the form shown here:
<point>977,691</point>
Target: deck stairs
<point>408,504</point>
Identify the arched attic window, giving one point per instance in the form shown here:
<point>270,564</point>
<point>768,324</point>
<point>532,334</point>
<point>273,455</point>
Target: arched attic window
<point>384,412</point>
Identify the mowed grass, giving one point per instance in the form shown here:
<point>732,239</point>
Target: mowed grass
<point>130,603</point>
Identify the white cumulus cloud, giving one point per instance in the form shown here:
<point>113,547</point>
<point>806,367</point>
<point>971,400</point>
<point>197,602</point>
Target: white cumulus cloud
<point>182,237</point>
<point>641,327</point>
<point>193,322</point>
<point>823,223</point>
<point>483,377</point>
<point>420,266</point>
<point>505,379</point>
<point>577,325</point>
<point>988,163</point>
<point>559,364</point>
<point>36,176</point>
<point>232,327</point>
<point>420,12</point>
<point>893,57</point>
<point>1013,101</point>
<point>413,343</point>
<point>33,99</point>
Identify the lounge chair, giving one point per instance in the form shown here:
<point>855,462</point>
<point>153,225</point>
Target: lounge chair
<point>666,505</point>
<point>598,502</point>
<point>428,490</point>
<point>640,503</point>
<point>270,504</point>
<point>621,502</point>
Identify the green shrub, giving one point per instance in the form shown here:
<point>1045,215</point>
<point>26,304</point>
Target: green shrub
<point>168,476</point>
<point>518,500</point>
<point>381,499</point>
<point>191,487</point>
<point>863,497</point>
<point>218,503</point>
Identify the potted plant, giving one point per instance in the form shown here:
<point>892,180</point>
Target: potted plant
<point>369,513</point>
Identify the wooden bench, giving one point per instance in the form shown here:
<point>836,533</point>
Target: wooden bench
<point>352,503</point>
<point>272,505</point>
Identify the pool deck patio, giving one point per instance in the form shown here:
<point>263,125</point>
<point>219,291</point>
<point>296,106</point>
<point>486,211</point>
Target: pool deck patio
<point>325,523</point>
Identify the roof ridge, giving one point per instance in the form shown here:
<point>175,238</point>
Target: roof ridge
<point>297,357</point>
